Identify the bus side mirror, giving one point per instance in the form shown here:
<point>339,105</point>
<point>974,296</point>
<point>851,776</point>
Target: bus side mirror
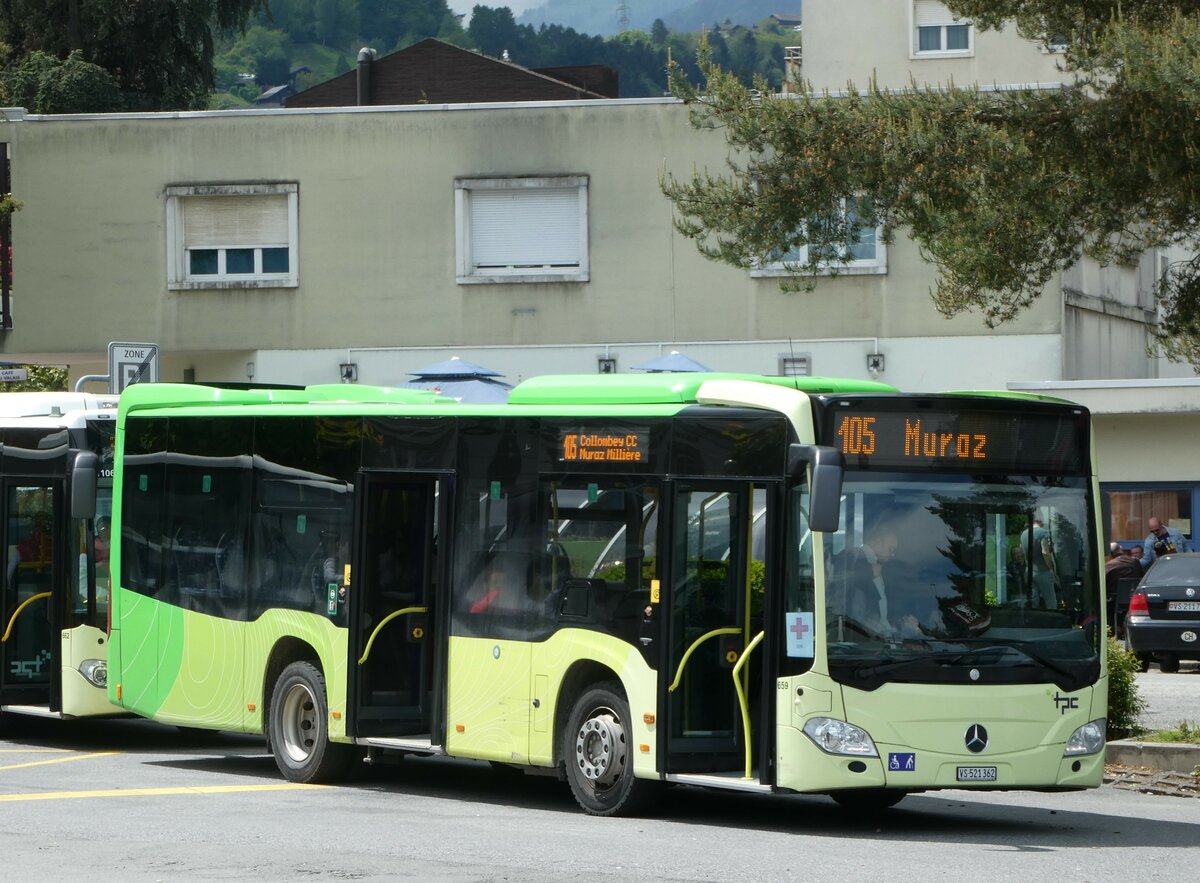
<point>83,485</point>
<point>824,511</point>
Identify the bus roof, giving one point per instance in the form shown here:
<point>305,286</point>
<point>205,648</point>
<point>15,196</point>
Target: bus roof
<point>582,390</point>
<point>661,388</point>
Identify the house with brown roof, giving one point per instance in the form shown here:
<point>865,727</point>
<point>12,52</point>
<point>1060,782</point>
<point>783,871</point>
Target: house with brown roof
<point>435,72</point>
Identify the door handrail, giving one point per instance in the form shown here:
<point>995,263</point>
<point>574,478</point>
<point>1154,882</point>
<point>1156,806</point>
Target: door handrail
<point>17,612</point>
<point>696,643</point>
<point>743,703</point>
<point>385,621</point>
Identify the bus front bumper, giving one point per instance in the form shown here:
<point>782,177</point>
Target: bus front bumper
<point>805,768</point>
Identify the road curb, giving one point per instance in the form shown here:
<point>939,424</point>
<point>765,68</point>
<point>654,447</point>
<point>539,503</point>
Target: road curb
<point>1154,755</point>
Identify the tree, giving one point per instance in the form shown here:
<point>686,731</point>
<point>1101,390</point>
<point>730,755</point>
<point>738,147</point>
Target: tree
<point>160,52</point>
<point>659,33</point>
<point>45,84</point>
<point>41,378</point>
<point>1000,190</point>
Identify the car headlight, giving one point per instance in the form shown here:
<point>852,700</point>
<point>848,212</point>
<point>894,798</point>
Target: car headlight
<point>96,672</point>
<point>1088,739</point>
<point>838,737</point>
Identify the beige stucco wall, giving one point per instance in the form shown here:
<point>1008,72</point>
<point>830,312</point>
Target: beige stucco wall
<point>377,240</point>
<point>1147,447</point>
<point>854,40</point>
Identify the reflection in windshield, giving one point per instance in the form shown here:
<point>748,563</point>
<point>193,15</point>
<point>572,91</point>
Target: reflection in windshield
<point>929,578</point>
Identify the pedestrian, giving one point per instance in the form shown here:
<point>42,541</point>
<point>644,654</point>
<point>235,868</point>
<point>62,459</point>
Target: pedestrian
<point>1162,540</point>
<point>1039,549</point>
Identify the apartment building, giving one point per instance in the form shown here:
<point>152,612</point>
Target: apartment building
<point>314,244</point>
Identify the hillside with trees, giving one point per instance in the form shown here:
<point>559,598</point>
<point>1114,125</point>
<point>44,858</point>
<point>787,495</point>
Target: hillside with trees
<point>320,39</point>
<point>96,56</point>
<point>603,17</point>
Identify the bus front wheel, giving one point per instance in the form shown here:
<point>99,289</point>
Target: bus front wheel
<point>299,728</point>
<point>598,751</point>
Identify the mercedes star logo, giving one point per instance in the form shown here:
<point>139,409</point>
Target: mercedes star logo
<point>976,738</point>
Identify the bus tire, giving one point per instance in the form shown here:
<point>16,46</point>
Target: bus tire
<point>868,799</point>
<point>597,748</point>
<point>299,728</point>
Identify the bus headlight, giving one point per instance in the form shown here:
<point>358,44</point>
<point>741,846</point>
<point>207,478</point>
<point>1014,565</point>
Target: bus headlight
<point>1088,739</point>
<point>838,737</point>
<point>96,672</point>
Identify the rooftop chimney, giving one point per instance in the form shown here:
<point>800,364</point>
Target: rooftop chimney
<point>366,56</point>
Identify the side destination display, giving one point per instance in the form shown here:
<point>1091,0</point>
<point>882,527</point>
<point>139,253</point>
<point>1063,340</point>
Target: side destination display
<point>627,445</point>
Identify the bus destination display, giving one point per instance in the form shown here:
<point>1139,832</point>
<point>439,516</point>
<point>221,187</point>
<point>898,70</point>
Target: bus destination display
<point>604,446</point>
<point>963,440</point>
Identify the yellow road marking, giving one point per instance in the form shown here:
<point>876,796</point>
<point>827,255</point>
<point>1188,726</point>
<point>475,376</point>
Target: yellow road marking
<point>17,766</point>
<point>157,792</point>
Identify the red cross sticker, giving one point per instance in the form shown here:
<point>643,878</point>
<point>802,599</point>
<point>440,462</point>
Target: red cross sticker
<point>799,629</point>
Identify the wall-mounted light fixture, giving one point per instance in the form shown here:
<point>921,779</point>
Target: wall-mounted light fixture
<point>349,372</point>
<point>249,370</point>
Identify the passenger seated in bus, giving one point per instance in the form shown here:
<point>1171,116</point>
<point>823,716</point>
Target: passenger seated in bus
<point>503,587</point>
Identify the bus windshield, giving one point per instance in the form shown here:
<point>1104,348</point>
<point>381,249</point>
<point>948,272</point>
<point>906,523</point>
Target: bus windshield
<point>959,578</point>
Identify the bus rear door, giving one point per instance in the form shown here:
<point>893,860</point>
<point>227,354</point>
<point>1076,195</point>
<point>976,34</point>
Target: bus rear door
<point>393,606</point>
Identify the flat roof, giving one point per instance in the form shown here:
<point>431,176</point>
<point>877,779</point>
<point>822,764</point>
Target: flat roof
<point>1169,395</point>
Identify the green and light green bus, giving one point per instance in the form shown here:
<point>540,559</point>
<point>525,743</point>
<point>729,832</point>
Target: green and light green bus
<point>56,465</point>
<point>622,580</point>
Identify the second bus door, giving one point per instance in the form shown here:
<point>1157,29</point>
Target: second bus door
<point>393,614</point>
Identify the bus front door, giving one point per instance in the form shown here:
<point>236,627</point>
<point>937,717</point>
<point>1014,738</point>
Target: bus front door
<point>709,609</point>
<point>29,616</point>
<point>392,606</point>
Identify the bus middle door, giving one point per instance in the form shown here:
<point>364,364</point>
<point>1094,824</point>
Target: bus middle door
<point>393,606</point>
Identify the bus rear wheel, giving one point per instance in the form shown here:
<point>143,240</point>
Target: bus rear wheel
<point>598,752</point>
<point>299,728</point>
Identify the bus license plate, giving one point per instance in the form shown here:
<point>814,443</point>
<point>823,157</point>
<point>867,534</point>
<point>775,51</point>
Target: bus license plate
<point>976,774</point>
<point>1183,605</point>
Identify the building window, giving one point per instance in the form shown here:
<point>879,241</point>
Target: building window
<point>1129,510</point>
<point>938,31</point>
<point>521,229</point>
<point>232,236</point>
<point>863,251</point>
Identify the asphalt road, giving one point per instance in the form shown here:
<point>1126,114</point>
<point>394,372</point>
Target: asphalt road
<point>1170,698</point>
<point>132,801</point>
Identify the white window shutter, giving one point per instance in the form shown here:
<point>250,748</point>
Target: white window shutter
<point>930,12</point>
<point>534,227</point>
<point>232,221</point>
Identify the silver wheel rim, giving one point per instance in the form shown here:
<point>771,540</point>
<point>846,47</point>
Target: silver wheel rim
<point>600,749</point>
<point>298,721</point>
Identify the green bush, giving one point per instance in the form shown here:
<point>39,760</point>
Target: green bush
<point>1124,704</point>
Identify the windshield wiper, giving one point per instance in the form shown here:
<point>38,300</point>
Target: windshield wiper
<point>1020,645</point>
<point>891,665</point>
